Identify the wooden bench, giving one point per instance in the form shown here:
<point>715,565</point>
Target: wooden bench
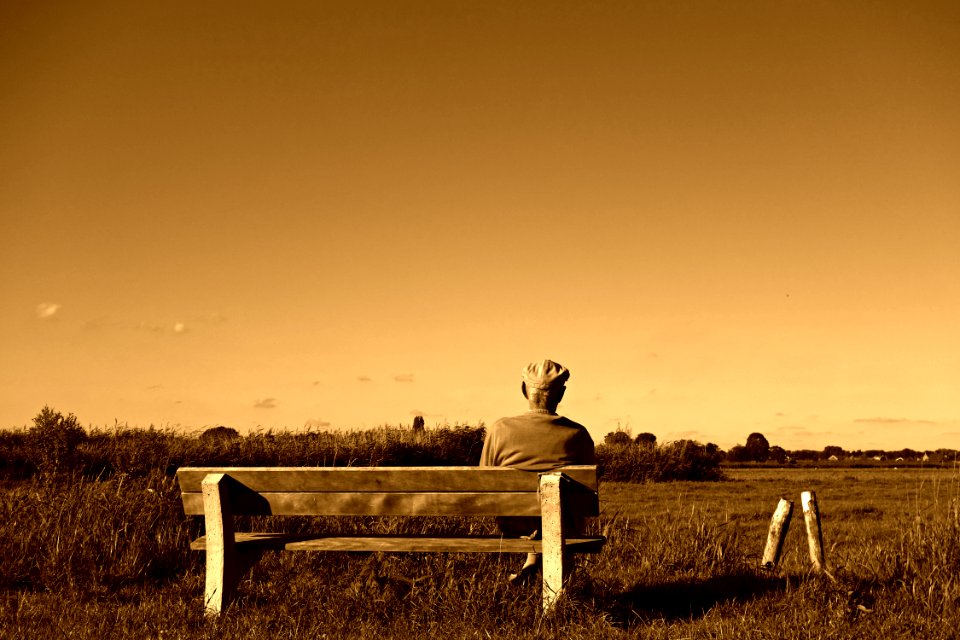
<point>220,493</point>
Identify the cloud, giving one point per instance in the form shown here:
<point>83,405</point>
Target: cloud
<point>147,326</point>
<point>403,377</point>
<point>215,318</point>
<point>364,379</point>
<point>894,421</point>
<point>315,423</point>
<point>46,310</point>
<point>266,403</point>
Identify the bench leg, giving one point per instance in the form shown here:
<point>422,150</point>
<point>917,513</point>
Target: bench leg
<point>226,564</point>
<point>554,558</point>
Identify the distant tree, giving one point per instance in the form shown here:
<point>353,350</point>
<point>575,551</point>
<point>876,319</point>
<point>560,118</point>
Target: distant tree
<point>738,453</point>
<point>617,437</point>
<point>833,450</point>
<point>418,424</point>
<point>758,449</point>
<point>946,455</point>
<point>778,454</point>
<point>646,439</point>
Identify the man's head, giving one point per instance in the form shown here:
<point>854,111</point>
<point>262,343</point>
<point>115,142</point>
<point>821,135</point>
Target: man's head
<point>543,384</point>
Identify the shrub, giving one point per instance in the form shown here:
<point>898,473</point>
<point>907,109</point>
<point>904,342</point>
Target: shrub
<point>52,441</point>
<point>219,436</point>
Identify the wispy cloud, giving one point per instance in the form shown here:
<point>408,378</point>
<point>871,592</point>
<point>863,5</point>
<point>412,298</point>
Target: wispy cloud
<point>364,379</point>
<point>46,310</point>
<point>894,421</point>
<point>316,423</point>
<point>403,377</point>
<point>149,326</point>
<point>266,403</point>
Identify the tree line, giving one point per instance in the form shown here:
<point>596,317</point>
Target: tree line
<point>758,449</point>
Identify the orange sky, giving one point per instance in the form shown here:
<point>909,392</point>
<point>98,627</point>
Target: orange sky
<point>723,217</point>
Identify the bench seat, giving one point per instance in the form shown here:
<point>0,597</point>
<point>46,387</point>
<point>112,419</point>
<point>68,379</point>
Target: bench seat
<point>409,543</point>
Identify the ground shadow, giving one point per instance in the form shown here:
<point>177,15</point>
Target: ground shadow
<point>687,598</point>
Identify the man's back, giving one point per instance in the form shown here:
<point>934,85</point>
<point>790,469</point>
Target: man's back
<point>536,441</point>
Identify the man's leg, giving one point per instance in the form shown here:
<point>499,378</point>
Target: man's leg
<point>527,571</point>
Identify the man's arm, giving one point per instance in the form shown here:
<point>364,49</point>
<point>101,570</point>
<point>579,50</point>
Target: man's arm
<point>486,455</point>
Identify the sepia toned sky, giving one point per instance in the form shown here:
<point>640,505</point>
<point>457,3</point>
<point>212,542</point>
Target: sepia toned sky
<point>723,217</point>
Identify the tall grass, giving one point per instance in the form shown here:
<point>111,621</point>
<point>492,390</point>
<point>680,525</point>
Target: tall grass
<point>110,558</point>
<point>681,460</point>
<point>97,546</point>
<point>104,453</point>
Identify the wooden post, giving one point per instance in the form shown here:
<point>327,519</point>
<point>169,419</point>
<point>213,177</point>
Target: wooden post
<point>779,525</point>
<point>811,515</point>
<point>222,561</point>
<point>553,537</point>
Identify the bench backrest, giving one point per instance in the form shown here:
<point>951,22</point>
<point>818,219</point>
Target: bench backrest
<point>389,491</point>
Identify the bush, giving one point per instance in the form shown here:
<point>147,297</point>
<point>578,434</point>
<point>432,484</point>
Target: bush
<point>52,441</point>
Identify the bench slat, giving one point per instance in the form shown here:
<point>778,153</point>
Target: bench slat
<point>415,544</point>
<point>382,479</point>
<point>389,504</point>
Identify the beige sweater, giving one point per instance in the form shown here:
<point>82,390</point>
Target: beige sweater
<point>537,442</point>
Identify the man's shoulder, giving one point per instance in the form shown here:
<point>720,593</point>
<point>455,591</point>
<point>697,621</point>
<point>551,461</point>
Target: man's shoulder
<point>567,422</point>
<point>545,420</point>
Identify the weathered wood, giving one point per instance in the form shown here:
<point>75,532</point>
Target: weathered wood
<point>811,515</point>
<point>388,504</point>
<point>407,543</point>
<point>779,525</point>
<point>384,479</point>
<point>407,491</point>
<point>222,557</point>
<point>551,513</point>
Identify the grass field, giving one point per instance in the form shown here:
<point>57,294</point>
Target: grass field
<point>109,558</point>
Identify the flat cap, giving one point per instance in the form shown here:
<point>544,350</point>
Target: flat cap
<point>545,374</point>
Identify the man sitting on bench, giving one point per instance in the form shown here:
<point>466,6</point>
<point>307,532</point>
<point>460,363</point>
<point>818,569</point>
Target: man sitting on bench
<point>538,440</point>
